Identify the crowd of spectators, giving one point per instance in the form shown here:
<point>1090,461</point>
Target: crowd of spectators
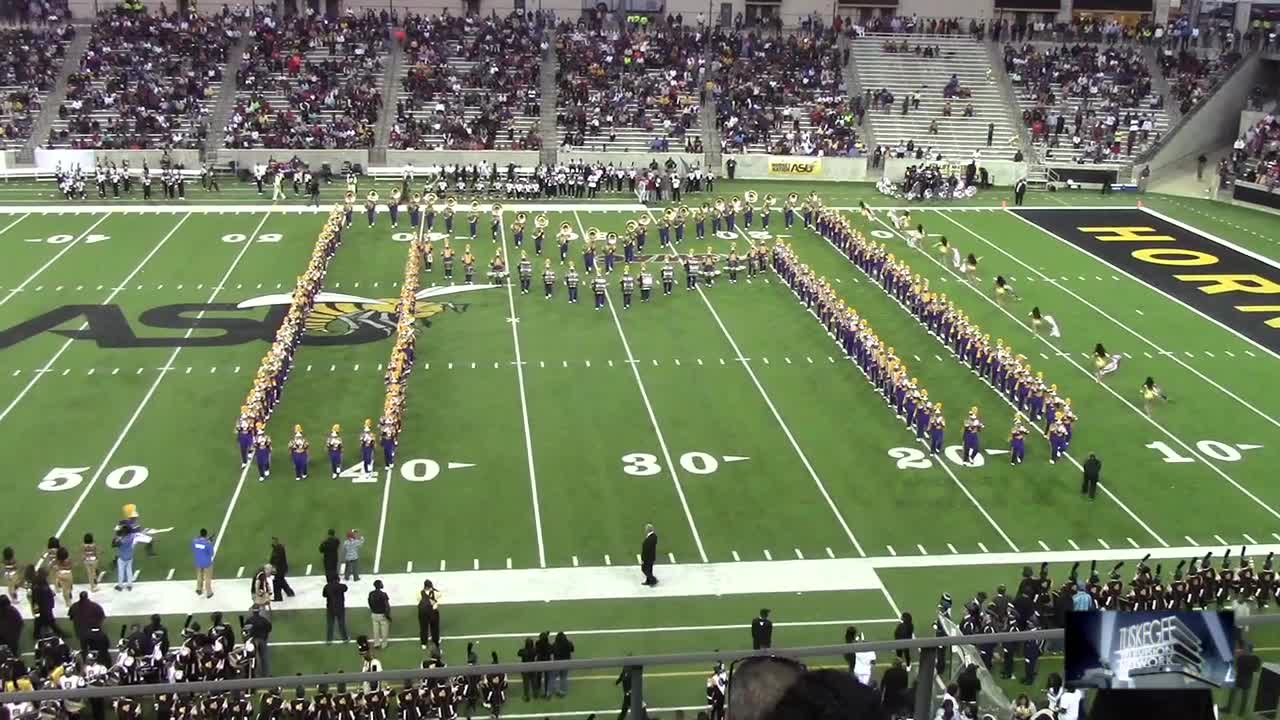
<point>146,80</point>
<point>766,85</point>
<point>1255,157</point>
<point>35,12</point>
<point>1099,98</point>
<point>469,78</point>
<point>310,81</point>
<point>29,62</point>
<point>1191,75</point>
<point>646,76</point>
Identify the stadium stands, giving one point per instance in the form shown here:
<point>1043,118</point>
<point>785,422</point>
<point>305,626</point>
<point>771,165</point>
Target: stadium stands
<point>935,90</point>
<point>636,90</point>
<point>146,81</point>
<point>1191,75</point>
<point>783,95</point>
<point>1086,104</point>
<point>1256,156</point>
<point>310,82</point>
<point>29,63</point>
<point>468,84</point>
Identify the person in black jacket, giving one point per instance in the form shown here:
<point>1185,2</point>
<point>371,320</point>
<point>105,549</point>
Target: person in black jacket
<point>762,631</point>
<point>528,680</point>
<point>905,630</point>
<point>335,609</point>
<point>624,679</point>
<point>42,599</point>
<point>542,652</point>
<point>1092,472</point>
<point>649,555</point>
<point>329,554</point>
<point>85,615</point>
<point>561,649</point>
<point>10,625</point>
<point>280,561</point>
<point>257,629</point>
<point>893,687</point>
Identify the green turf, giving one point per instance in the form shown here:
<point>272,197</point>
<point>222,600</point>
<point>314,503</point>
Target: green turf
<point>733,371</point>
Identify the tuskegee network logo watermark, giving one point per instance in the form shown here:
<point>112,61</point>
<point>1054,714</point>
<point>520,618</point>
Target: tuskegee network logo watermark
<point>1158,646</point>
<point>1160,649</point>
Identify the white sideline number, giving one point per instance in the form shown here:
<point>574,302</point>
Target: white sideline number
<point>646,464</point>
<point>125,477</point>
<point>415,470</point>
<point>263,237</point>
<point>913,458</point>
<point>63,239</point>
<point>1215,449</point>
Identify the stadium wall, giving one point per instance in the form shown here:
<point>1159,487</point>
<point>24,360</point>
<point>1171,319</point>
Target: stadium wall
<point>1205,130</point>
<point>627,159</point>
<point>795,167</point>
<point>501,158</point>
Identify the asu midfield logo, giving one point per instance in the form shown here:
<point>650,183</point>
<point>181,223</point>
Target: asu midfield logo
<point>336,319</point>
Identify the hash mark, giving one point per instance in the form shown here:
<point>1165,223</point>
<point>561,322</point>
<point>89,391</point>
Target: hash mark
<point>921,549</point>
<point>408,567</point>
<point>1104,544</point>
<point>983,548</point>
<point>830,554</point>
<point>441,566</point>
<point>735,556</point>
<point>767,556</point>
<point>607,561</point>
<point>799,555</point>
<point>1132,542</point>
<point>170,575</point>
<point>672,558</point>
<point>1073,544</point>
<point>1249,539</point>
<point>475,563</point>
<point>1219,539</point>
<point>1043,545</point>
<point>1191,541</point>
<point>952,548</point>
<point>892,551</point>
<point>575,561</point>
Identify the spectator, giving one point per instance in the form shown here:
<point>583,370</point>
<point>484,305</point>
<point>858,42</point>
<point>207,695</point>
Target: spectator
<point>1247,665</point>
<point>379,615</point>
<point>10,625</point>
<point>329,555</point>
<point>905,630</point>
<point>893,687</point>
<point>86,616</point>
<point>1023,708</point>
<point>542,653</point>
<point>202,554</point>
<point>529,680</point>
<point>123,542</point>
<point>257,630</point>
<point>561,649</point>
<point>280,562</point>
<point>351,555</point>
<point>335,609</point>
<point>762,631</point>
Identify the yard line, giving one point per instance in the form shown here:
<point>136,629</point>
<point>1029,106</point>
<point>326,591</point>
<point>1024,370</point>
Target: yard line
<point>1132,541</point>
<point>653,418</point>
<point>1073,461</point>
<point>1259,501</point>
<point>63,348</point>
<point>891,550</point>
<point>1117,322</point>
<point>65,248</point>
<point>382,522</point>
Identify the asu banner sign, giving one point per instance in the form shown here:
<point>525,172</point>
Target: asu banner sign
<point>794,166</point>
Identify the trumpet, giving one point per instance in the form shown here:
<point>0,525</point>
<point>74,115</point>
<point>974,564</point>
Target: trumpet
<point>750,196</point>
<point>645,220</point>
<point>632,226</point>
<point>521,218</point>
<point>542,222</point>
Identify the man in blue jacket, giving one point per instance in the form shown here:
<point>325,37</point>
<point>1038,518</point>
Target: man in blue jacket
<point>202,555</point>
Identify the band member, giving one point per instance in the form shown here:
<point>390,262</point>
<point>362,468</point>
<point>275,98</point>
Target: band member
<point>789,211</point>
<point>972,431</point>
<point>388,441</point>
<point>1057,441</point>
<point>562,239</point>
<point>690,272</point>
<point>495,222</point>
<point>646,283</point>
<point>526,273</point>
<point>937,429</point>
<point>446,258</point>
<point>262,452</point>
<point>734,263</point>
<point>517,230</point>
<point>969,270</point>
<point>371,206</point>
<point>668,275</point>
<point>571,283</point>
<point>664,230</point>
<point>348,201</point>
<point>709,271</point>
<point>298,448</point>
<point>428,255</point>
<point>610,252</point>
<point>468,264</point>
<point>700,224</point>
<point>473,221</point>
<point>599,286</point>
<point>1017,441</point>
<point>244,435</point>
<point>393,207</point>
<point>498,269</point>
<point>628,285</point>
<point>679,225</point>
<point>548,279</point>
<point>366,447</point>
<point>539,233</point>
<point>589,256</point>
<point>334,446</point>
<point>1103,362</point>
<point>448,216</point>
<point>415,211</point>
<point>1150,393</point>
<point>493,689</point>
<point>429,211</point>
<point>629,247</point>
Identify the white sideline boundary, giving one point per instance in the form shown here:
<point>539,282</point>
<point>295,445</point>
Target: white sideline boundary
<point>617,582</point>
<point>589,208</point>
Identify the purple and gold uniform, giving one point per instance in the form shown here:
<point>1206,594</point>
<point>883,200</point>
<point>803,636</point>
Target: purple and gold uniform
<point>678,224</point>
<point>298,449</point>
<point>1057,441</point>
<point>473,221</point>
<point>539,234</point>
<point>393,207</point>
<point>448,217</point>
<point>922,415</point>
<point>388,441</point>
<point>347,210</point>
<point>428,256</point>
<point>972,432</point>
<point>371,207</point>
<point>429,211</point>
<point>468,265</point>
<point>562,240</point>
<point>646,284</point>
<point>366,446</point>
<point>1017,441</point>
<point>789,211</point>
<point>517,230</point>
<point>629,247</point>
<point>446,258</point>
<point>334,446</point>
<point>495,222</point>
<point>610,252</point>
<point>244,435</point>
<point>548,279</point>
<point>262,452</point>
<point>664,231</point>
<point>1068,420</point>
<point>498,269</point>
<point>589,256</point>
<point>700,223</point>
<point>415,212</point>
<point>709,271</point>
<point>731,215</point>
<point>668,277</point>
<point>734,263</point>
<point>628,286</point>
<point>598,287</point>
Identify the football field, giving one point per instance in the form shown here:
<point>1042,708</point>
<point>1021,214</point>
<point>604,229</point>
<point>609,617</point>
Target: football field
<point>541,436</point>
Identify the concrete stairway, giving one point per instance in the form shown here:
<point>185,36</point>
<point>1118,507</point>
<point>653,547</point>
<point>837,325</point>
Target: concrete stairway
<point>550,92</point>
<point>226,102</point>
<point>53,101</point>
<point>995,56</point>
<point>391,73</point>
<point>853,82</point>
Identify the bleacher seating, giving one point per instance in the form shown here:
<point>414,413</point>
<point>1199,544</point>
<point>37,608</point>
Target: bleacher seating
<point>1087,104</point>
<point>468,84</point>
<point>638,90</point>
<point>145,81</point>
<point>1256,155</point>
<point>310,82</point>
<point>1193,75</point>
<point>30,59</point>
<point>783,95</point>
<point>945,74</point>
